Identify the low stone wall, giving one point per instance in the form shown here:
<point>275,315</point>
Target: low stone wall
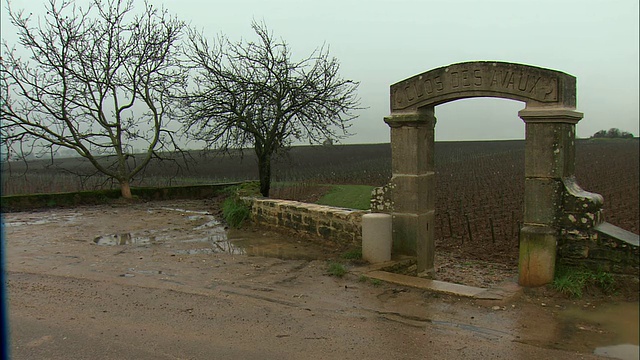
<point>606,247</point>
<point>94,197</point>
<point>587,240</point>
<point>330,223</point>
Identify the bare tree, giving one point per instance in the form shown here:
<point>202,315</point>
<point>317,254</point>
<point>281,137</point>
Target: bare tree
<point>98,80</point>
<point>251,94</point>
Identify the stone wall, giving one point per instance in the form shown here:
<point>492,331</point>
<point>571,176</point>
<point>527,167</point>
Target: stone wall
<point>587,240</point>
<point>70,199</point>
<point>326,222</point>
<point>382,199</point>
<point>605,247</point>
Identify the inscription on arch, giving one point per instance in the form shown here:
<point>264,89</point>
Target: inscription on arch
<point>483,79</point>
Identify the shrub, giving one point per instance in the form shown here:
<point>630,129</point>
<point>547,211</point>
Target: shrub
<point>572,281</point>
<point>235,212</point>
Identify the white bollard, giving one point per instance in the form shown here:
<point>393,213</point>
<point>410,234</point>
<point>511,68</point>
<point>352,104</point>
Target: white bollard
<point>376,237</point>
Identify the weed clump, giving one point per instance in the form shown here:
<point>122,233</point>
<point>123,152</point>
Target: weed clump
<point>573,281</point>
<point>354,254</point>
<point>235,210</point>
<point>336,269</point>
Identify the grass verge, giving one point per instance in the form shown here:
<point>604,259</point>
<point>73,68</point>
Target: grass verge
<point>574,281</point>
<point>348,196</point>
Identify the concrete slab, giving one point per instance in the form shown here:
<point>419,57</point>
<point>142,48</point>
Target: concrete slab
<point>503,292</point>
<point>427,284</point>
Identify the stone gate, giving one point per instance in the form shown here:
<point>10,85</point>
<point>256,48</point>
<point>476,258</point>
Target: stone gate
<point>554,204</point>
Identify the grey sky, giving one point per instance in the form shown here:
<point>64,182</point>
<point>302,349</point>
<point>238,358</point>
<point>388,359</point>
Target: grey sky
<point>381,42</point>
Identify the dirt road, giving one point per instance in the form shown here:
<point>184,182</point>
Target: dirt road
<point>164,281</point>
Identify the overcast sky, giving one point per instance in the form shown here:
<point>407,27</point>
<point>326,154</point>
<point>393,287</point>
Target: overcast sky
<point>382,42</point>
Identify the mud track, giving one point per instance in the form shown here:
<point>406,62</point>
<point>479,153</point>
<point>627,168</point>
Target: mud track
<point>163,297</point>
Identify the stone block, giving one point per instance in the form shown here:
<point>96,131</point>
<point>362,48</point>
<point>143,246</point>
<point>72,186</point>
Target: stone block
<point>382,199</point>
<point>414,194</point>
<point>580,221</point>
<point>414,235</point>
<point>542,201</point>
<point>549,150</point>
<point>412,149</point>
<point>578,200</point>
<point>324,232</point>
<point>536,265</point>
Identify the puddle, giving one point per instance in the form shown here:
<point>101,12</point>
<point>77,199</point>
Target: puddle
<point>218,247</point>
<point>210,224</point>
<point>611,330</point>
<point>41,219</point>
<point>221,242</point>
<point>184,211</point>
<point>123,239</point>
<point>277,246</point>
<point>210,231</point>
<point>623,351</point>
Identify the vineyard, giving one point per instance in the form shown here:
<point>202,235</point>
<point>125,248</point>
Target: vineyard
<point>480,185</point>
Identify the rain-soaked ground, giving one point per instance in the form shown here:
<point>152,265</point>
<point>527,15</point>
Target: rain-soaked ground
<point>180,246</point>
<point>208,236</point>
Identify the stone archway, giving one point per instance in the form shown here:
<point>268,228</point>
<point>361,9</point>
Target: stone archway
<point>550,118</point>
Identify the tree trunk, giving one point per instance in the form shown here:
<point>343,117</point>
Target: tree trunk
<point>264,174</point>
<point>125,189</point>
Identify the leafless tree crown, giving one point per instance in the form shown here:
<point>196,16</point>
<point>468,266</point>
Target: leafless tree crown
<point>252,94</point>
<point>98,80</point>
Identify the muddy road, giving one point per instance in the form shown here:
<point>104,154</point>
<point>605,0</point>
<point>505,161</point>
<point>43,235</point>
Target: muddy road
<point>163,280</point>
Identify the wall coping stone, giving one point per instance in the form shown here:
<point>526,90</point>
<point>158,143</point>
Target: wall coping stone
<point>619,233</point>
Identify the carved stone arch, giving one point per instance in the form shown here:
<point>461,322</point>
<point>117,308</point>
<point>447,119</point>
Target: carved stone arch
<point>538,87</point>
<point>550,118</point>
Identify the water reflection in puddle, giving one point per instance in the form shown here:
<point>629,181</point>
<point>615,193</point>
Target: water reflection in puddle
<point>123,239</point>
<point>620,320</point>
<point>208,230</point>
<point>256,244</point>
<point>185,211</point>
<point>41,219</point>
<point>623,351</point>
<point>217,247</point>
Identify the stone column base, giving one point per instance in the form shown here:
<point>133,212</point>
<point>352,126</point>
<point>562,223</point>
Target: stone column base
<point>537,255</point>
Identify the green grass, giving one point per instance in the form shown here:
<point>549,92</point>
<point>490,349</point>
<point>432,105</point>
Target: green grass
<point>354,254</point>
<point>348,196</point>
<point>235,212</point>
<point>573,281</point>
<point>336,269</point>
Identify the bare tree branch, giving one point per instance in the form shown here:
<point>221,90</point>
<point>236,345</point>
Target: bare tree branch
<point>97,80</point>
<point>251,94</point>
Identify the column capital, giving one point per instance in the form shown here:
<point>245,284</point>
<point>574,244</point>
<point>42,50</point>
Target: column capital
<point>411,119</point>
<point>550,115</point>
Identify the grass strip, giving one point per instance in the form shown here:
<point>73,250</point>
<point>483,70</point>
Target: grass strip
<point>348,196</point>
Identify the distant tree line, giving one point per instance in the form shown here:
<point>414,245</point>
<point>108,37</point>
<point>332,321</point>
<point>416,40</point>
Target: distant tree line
<point>613,133</point>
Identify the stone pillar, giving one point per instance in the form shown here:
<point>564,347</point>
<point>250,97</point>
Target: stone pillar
<point>413,186</point>
<point>549,157</point>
